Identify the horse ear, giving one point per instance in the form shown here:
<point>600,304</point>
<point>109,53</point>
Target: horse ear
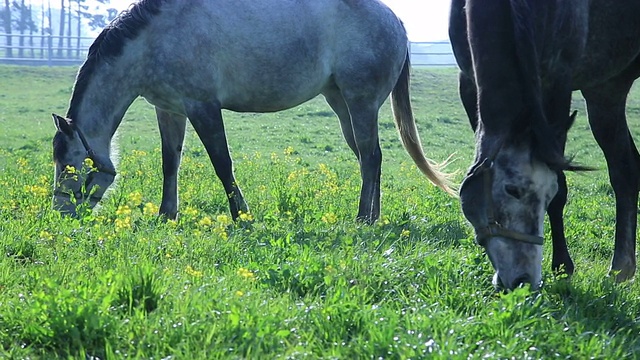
<point>63,124</point>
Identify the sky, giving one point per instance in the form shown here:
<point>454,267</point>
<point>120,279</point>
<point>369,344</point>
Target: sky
<point>425,20</point>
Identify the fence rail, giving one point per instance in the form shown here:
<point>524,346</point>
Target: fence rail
<point>44,50</point>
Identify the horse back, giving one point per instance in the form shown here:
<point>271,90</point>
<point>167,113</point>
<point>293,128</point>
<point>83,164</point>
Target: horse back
<point>266,55</point>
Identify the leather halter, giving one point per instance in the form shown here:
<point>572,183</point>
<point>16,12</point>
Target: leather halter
<point>493,227</point>
<point>91,154</point>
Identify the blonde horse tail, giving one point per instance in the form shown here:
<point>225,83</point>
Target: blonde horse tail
<point>405,122</point>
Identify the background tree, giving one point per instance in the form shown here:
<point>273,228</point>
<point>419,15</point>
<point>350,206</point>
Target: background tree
<point>6,24</point>
<point>23,23</point>
<point>61,28</point>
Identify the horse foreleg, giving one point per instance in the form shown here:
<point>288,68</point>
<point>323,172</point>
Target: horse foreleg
<point>206,119</point>
<point>172,128</point>
<point>561,261</point>
<point>469,97</point>
<point>606,110</point>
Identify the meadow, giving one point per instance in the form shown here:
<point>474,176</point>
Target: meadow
<point>297,277</point>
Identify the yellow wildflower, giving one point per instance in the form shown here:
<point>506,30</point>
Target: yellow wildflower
<point>123,210</point>
<point>193,272</point>
<point>329,218</point>
<point>246,273</point>
<point>223,220</point>
<point>70,169</point>
<point>150,209</point>
<point>45,235</point>
<point>36,190</point>
<point>239,293</point>
<point>405,233</point>
<point>135,198</point>
<point>205,221</point>
<point>289,150</point>
<point>190,211</point>
<point>123,223</point>
<point>245,216</point>
<point>221,231</point>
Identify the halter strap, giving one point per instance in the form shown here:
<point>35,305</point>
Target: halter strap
<point>91,154</point>
<point>493,227</point>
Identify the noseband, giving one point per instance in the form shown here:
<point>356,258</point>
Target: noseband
<point>493,227</point>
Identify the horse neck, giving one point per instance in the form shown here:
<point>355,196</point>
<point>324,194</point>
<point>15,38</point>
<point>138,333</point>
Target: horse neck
<point>97,109</point>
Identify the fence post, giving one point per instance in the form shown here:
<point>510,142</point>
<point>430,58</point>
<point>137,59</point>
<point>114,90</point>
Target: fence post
<point>49,50</point>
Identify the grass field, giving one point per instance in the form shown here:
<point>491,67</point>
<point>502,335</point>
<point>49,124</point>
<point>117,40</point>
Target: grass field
<point>303,280</point>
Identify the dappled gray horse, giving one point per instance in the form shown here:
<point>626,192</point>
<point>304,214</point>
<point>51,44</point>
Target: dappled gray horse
<point>520,60</point>
<point>192,59</point>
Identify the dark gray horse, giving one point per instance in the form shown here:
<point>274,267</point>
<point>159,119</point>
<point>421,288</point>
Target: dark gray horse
<point>520,60</point>
<point>193,59</point>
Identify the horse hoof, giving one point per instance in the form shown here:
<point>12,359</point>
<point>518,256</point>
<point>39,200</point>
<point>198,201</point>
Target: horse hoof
<point>623,275</point>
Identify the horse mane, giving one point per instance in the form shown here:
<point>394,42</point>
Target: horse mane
<point>546,145</point>
<point>110,43</point>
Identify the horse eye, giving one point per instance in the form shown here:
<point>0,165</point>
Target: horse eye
<point>513,191</point>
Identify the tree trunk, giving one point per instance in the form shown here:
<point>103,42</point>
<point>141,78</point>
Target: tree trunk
<point>61,32</point>
<point>7,27</point>
<point>79,30</point>
<point>43,15</point>
<point>69,31</point>
<point>49,39</point>
<point>22,26</point>
<point>32,25</point>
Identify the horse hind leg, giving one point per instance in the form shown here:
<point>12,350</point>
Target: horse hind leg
<point>363,140</point>
<point>172,129</point>
<point>606,111</point>
<point>339,106</point>
<point>206,119</point>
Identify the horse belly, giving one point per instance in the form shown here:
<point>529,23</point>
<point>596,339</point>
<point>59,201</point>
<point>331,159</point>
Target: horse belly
<point>276,89</point>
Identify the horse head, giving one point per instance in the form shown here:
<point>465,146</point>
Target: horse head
<point>504,197</point>
<point>81,175</point>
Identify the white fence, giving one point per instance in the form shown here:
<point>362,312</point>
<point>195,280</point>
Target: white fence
<point>45,50</point>
<point>438,53</point>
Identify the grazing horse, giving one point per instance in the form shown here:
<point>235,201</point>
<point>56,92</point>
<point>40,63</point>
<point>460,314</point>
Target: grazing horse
<point>191,59</point>
<point>520,60</point>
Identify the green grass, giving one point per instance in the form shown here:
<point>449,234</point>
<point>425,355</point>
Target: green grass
<point>303,280</point>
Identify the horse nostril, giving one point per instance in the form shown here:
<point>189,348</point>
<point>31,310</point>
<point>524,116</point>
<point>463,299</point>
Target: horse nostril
<point>521,280</point>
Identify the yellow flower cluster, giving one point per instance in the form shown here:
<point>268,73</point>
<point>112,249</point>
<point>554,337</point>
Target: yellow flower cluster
<point>45,235</point>
<point>300,173</point>
<point>23,164</point>
<point>246,273</point>
<point>205,221</point>
<point>405,233</point>
<point>224,220</point>
<point>190,211</point>
<point>135,198</point>
<point>123,223</point>
<point>245,216</point>
<point>289,151</point>
<point>330,185</point>
<point>123,210</point>
<point>329,218</point>
<point>193,272</point>
<point>36,190</point>
<point>150,209</point>
<point>70,169</point>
